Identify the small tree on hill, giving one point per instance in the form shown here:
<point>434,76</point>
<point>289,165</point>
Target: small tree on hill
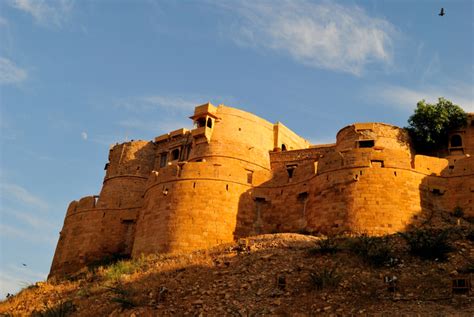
<point>430,125</point>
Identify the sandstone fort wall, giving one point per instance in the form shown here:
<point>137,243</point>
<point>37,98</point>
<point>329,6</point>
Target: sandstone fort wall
<point>235,175</point>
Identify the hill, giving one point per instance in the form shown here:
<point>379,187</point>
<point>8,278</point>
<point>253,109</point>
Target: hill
<point>273,274</point>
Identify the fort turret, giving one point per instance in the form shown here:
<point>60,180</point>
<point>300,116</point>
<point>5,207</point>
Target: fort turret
<point>235,175</point>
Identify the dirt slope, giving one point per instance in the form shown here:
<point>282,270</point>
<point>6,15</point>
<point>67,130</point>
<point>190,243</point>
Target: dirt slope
<point>276,275</point>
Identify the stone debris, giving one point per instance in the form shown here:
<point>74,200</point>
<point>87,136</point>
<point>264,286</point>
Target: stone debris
<point>252,285</point>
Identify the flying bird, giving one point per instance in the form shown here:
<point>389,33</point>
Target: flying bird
<point>23,264</point>
<point>442,12</point>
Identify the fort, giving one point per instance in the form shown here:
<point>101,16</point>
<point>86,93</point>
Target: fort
<point>235,175</point>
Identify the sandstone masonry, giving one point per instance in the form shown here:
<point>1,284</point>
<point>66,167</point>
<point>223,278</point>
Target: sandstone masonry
<point>236,175</point>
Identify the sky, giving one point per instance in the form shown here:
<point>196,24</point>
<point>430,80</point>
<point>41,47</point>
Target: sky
<point>77,76</point>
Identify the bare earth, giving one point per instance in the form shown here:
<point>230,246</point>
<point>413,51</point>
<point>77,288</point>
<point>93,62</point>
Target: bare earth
<point>241,279</point>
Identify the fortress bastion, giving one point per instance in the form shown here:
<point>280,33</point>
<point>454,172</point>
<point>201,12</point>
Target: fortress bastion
<point>235,175</point>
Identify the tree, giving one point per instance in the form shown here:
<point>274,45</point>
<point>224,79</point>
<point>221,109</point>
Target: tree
<point>430,125</point>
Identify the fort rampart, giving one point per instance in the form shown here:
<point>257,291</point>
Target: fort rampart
<point>236,175</point>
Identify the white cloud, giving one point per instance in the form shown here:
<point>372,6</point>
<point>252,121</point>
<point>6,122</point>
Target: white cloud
<point>326,35</point>
<point>164,126</point>
<point>3,21</point>
<point>84,135</point>
<point>151,102</point>
<point>13,279</point>
<point>30,219</point>
<point>26,234</point>
<point>10,73</point>
<point>21,195</point>
<point>52,12</point>
<point>407,98</point>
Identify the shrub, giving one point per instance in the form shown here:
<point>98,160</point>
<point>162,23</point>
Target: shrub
<point>122,296</point>
<point>64,308</point>
<point>327,278</point>
<point>458,212</point>
<point>374,250</point>
<point>429,244</point>
<point>106,261</point>
<point>470,235</point>
<point>116,270</point>
<point>325,246</point>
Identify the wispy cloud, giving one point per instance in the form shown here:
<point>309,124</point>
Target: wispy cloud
<point>151,102</point>
<point>21,195</point>
<point>30,219</point>
<point>163,126</point>
<point>25,234</point>
<point>326,35</point>
<point>407,98</point>
<point>10,73</point>
<point>12,279</point>
<point>3,22</point>
<point>52,12</point>
<point>84,135</point>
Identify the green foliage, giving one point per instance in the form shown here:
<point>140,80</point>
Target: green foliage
<point>373,250</point>
<point>470,235</point>
<point>327,278</point>
<point>429,244</point>
<point>122,296</point>
<point>325,246</point>
<point>458,212</point>
<point>115,271</point>
<point>430,125</point>
<point>64,308</point>
<point>106,261</point>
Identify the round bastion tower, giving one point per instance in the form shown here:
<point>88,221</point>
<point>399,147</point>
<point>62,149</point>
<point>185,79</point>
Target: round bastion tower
<point>196,203</point>
<point>96,227</point>
<point>368,184</point>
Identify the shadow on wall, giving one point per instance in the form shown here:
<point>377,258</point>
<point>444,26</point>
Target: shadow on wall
<point>373,190</point>
<point>96,227</point>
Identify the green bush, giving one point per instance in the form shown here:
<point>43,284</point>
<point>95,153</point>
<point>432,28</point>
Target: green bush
<point>373,250</point>
<point>429,244</point>
<point>64,308</point>
<point>122,296</point>
<point>325,246</point>
<point>458,212</point>
<point>116,270</point>
<point>327,278</point>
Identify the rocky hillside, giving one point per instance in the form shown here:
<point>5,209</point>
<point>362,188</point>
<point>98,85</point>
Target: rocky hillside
<point>279,275</point>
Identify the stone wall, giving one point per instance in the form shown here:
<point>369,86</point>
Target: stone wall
<point>236,175</point>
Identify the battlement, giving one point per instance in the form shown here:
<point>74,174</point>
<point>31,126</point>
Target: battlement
<point>235,175</point>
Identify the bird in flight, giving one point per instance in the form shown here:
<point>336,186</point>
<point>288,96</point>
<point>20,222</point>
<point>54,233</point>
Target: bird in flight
<point>442,12</point>
<point>23,264</point>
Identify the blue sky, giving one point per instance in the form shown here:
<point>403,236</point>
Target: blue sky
<point>77,76</point>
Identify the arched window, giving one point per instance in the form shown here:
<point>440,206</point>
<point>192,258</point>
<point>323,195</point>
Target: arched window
<point>283,147</point>
<point>175,154</point>
<point>456,140</point>
<point>209,122</point>
<point>201,122</point>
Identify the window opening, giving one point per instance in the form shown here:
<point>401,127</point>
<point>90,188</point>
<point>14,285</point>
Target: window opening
<point>456,140</point>
<point>175,154</point>
<point>163,159</point>
<point>303,196</point>
<point>366,143</point>
<point>377,163</point>
<point>249,176</point>
<point>209,122</point>
<point>290,169</point>
<point>201,122</point>
<point>283,147</point>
